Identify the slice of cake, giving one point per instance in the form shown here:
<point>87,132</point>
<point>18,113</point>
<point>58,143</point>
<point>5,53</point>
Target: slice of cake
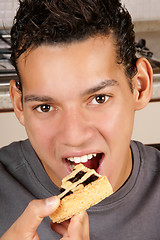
<point>80,190</point>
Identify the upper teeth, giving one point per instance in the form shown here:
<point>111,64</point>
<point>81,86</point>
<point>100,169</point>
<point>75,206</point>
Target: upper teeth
<point>81,159</point>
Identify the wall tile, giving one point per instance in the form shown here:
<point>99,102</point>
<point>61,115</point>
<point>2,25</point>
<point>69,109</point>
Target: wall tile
<point>143,10</point>
<point>7,12</point>
<point>140,10</point>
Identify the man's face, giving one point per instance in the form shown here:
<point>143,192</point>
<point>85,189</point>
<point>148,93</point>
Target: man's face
<point>78,107</point>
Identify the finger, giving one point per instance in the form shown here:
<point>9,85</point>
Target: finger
<point>79,226</point>
<point>27,224</point>
<point>60,228</point>
<point>36,211</point>
<point>36,237</point>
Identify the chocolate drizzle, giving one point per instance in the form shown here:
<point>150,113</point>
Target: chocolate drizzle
<point>92,178</point>
<point>68,193</point>
<point>62,190</point>
<point>78,176</point>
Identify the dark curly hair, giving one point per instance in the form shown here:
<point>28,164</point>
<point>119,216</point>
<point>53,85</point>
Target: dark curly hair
<point>64,21</point>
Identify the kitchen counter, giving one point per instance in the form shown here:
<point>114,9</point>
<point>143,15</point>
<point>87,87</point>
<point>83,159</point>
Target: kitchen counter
<point>6,105</point>
<point>5,101</point>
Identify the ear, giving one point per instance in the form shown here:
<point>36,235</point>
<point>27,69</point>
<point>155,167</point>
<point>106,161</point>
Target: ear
<point>16,98</point>
<point>142,83</point>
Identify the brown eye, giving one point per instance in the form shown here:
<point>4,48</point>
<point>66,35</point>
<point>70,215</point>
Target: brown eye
<point>44,108</point>
<point>99,99</point>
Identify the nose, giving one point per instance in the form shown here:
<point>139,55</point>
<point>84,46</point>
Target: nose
<point>76,129</point>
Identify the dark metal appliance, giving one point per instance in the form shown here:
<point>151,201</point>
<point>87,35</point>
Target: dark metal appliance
<point>7,71</point>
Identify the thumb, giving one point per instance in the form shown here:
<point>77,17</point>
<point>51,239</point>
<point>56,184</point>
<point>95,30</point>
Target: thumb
<point>26,225</point>
<point>36,211</point>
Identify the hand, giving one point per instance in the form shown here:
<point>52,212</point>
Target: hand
<point>26,225</point>
<point>77,228</point>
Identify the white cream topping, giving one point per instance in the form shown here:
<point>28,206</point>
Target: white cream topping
<point>82,159</point>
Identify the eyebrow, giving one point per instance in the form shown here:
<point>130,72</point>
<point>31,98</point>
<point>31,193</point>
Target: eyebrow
<point>36,98</point>
<point>102,85</point>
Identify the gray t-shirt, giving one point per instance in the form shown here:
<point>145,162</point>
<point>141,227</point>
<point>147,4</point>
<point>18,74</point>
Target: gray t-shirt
<point>132,213</point>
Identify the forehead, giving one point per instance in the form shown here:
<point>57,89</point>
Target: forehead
<point>85,48</point>
<point>92,58</point>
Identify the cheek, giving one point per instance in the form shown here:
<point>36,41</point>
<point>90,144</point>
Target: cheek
<point>116,123</point>
<point>38,132</point>
<point>42,141</point>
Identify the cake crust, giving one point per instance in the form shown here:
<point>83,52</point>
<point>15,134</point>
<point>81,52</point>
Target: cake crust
<point>82,197</point>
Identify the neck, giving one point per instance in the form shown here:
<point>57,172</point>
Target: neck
<point>124,173</point>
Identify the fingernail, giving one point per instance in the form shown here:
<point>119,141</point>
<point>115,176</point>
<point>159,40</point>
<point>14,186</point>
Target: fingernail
<point>52,201</point>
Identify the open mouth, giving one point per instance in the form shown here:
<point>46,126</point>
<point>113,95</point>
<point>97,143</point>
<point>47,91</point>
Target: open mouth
<point>91,161</point>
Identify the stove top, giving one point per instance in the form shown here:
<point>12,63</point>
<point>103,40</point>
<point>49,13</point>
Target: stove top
<point>5,51</point>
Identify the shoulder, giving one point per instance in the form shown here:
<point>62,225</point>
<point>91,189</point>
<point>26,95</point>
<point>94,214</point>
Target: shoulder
<point>12,153</point>
<point>149,154</point>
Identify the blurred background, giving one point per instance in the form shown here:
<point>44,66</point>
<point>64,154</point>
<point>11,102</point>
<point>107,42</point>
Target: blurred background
<point>146,18</point>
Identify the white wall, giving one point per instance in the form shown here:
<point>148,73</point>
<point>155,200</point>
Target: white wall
<point>147,124</point>
<point>10,129</point>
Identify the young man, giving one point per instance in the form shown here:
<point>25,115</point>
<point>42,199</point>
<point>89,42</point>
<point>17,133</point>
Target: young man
<point>79,87</point>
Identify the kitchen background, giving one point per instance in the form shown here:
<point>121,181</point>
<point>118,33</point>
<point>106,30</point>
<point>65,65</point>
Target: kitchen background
<point>146,17</point>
